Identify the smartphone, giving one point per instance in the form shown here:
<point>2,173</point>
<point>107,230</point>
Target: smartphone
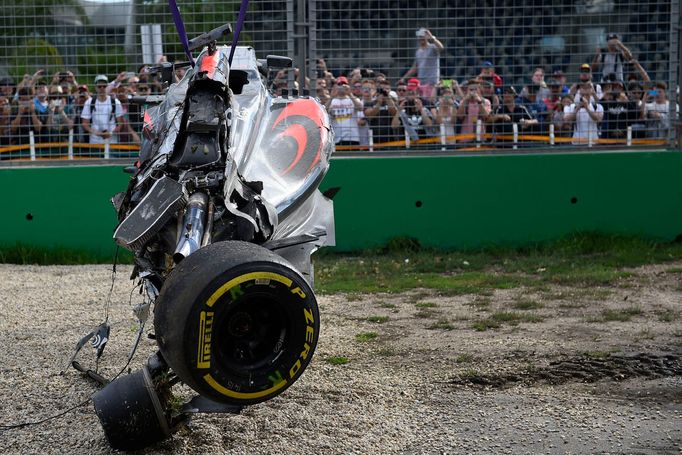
<point>130,74</point>
<point>446,83</point>
<point>653,92</point>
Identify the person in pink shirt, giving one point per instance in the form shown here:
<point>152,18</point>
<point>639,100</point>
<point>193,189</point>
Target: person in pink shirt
<point>473,108</point>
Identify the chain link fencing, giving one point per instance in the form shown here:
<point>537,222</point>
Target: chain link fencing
<point>433,75</point>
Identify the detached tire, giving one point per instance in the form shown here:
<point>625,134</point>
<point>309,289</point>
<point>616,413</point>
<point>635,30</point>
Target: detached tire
<point>236,322</point>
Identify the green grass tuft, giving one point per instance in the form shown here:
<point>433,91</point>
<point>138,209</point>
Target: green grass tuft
<point>426,305</point>
<point>622,315</point>
<point>464,358</point>
<point>366,336</point>
<point>337,360</point>
<point>528,305</point>
<point>441,324</point>
<point>378,319</point>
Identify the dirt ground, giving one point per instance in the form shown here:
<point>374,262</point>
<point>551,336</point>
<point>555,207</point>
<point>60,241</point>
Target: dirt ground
<point>568,370</point>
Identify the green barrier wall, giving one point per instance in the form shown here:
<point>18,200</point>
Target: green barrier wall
<point>448,202</point>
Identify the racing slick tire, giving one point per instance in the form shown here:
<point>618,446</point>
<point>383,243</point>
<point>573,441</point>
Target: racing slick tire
<point>236,322</point>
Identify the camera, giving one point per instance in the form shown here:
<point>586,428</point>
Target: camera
<point>320,74</point>
<point>382,91</point>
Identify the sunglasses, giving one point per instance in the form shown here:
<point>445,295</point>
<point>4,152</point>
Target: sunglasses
<point>100,86</point>
<point>401,90</point>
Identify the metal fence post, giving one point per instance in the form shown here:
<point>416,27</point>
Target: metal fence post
<point>675,72</point>
<point>312,46</point>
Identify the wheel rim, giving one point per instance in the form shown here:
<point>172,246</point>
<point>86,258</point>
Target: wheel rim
<point>252,334</point>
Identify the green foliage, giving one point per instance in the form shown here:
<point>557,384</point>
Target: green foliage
<point>441,324</point>
<point>622,315</point>
<point>583,260</point>
<point>464,358</point>
<point>26,254</point>
<point>366,336</point>
<point>528,305</point>
<point>378,319</point>
<point>337,360</point>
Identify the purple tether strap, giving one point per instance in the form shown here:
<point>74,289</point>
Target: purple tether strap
<point>238,28</point>
<point>177,18</point>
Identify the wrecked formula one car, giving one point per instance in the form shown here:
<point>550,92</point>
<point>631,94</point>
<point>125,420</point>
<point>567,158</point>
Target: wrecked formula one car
<point>222,214</point>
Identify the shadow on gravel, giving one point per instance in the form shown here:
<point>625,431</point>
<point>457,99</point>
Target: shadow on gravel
<point>584,368</point>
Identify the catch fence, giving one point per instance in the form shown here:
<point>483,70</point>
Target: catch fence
<point>499,74</point>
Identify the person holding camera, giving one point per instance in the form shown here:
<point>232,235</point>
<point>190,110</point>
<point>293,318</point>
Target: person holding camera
<point>474,107</point>
<point>413,113</point>
<point>58,120</point>
<point>101,116</point>
<point>344,109</point>
<point>585,114</point>
<point>426,63</point>
<point>379,112</point>
<point>445,112</point>
<point>619,111</point>
<point>612,57</point>
<point>656,110</point>
<point>26,118</point>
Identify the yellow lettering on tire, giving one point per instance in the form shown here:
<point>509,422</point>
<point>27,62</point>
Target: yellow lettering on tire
<point>299,292</point>
<point>243,278</point>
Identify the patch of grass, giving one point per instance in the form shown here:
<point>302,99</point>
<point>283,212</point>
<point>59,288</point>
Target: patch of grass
<point>586,259</point>
<point>366,336</point>
<point>667,316</point>
<point>598,355</point>
<point>353,297</point>
<point>464,358</point>
<point>24,254</point>
<point>426,305</point>
<point>622,315</point>
<point>645,334</point>
<point>441,324</point>
<point>674,270</point>
<point>480,302</point>
<point>377,319</point>
<point>337,360</point>
<point>424,314</point>
<point>496,320</point>
<point>485,324</point>
<point>386,352</point>
<point>527,305</point>
<point>513,318</point>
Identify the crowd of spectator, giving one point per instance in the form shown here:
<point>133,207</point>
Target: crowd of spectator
<point>50,108</point>
<point>421,105</point>
<point>366,106</point>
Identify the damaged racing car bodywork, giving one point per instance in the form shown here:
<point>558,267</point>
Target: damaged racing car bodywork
<point>222,215</point>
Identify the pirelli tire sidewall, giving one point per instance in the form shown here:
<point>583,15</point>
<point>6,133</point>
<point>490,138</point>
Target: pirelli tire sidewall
<point>201,303</point>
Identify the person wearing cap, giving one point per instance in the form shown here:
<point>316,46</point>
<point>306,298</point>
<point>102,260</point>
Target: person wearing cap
<point>426,63</point>
<point>585,77</point>
<point>413,115</point>
<point>560,77</point>
<point>619,111</point>
<point>101,116</point>
<point>344,109</point>
<point>585,114</point>
<point>488,70</point>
